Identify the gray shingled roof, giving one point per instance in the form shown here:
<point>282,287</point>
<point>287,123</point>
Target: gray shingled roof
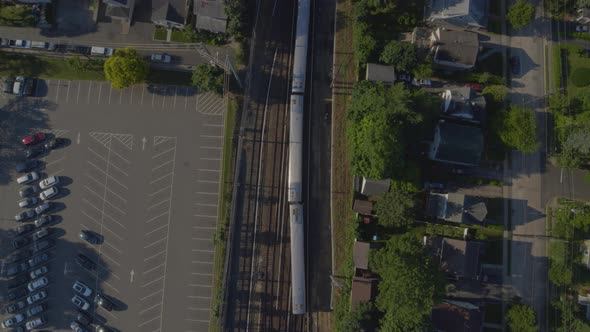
<point>459,143</point>
<point>360,255</point>
<point>457,208</point>
<point>169,10</point>
<point>375,187</point>
<point>457,46</point>
<point>464,103</point>
<point>210,15</point>
<point>380,73</point>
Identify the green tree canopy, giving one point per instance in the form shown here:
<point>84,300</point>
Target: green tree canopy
<point>423,70</point>
<point>401,55</point>
<point>363,42</point>
<point>377,117</point>
<point>559,103</point>
<point>521,318</point>
<point>208,78</point>
<point>357,319</point>
<point>518,129</point>
<point>497,93</point>
<point>395,208</point>
<point>560,272</point>
<point>124,68</point>
<point>411,283</point>
<point>520,14</point>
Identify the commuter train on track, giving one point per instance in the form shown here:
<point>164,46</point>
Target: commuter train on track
<point>295,181</point>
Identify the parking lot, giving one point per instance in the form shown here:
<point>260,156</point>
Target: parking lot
<point>141,167</point>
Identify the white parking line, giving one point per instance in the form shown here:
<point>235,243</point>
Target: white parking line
<point>131,98</point>
<point>153,281</point>
<point>78,94</point>
<point>112,246</point>
<point>68,91</point>
<point>153,269</point>
<point>153,206</point>
<point>161,153</point>
<point>152,294</point>
<point>89,89</point>
<point>166,163</point>
<point>154,243</point>
<point>121,157</point>
<point>99,92</point>
<point>152,307</point>
<point>148,321</point>
<point>97,154</point>
<point>53,162</point>
<point>110,93</point>
<point>102,185</point>
<point>162,177</point>
<point>102,254</point>
<point>119,169</point>
<point>156,255</point>
<point>113,219</point>
<point>109,203</point>
<point>159,191</point>
<point>120,96</point>
<point>107,175</point>
<point>98,222</point>
<point>91,218</point>
<point>158,216</point>
<point>57,91</point>
<point>155,230</point>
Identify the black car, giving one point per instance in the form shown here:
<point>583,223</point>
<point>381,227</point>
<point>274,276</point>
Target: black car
<point>25,215</point>
<point>44,220</point>
<point>15,269</point>
<point>17,306</point>
<point>30,84</point>
<point>8,85</point>
<point>20,242</point>
<point>42,245</point>
<point>35,310</point>
<point>24,229</point>
<point>27,166</point>
<point>38,260</point>
<point>17,281</point>
<point>102,301</point>
<point>91,237</point>
<point>17,256</point>
<point>34,151</point>
<point>29,191</point>
<point>54,143</point>
<point>85,262</point>
<point>44,208</point>
<point>17,294</point>
<point>83,318</point>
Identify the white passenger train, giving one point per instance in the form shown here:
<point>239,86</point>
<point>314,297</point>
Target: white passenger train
<point>295,181</point>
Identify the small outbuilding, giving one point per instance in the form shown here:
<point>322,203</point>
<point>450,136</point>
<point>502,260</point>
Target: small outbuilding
<point>371,187</point>
<point>380,73</point>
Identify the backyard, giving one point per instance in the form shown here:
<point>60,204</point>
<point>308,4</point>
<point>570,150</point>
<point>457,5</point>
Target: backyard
<point>16,15</point>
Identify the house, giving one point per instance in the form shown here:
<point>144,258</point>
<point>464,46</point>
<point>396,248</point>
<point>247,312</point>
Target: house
<point>456,208</point>
<point>464,104</point>
<point>380,73</point>
<point>169,13</point>
<point>374,187</point>
<point>459,259</point>
<point>210,15</point>
<point>456,316</point>
<point>364,288</point>
<point>454,50</point>
<point>363,207</point>
<point>121,10</point>
<point>456,144</point>
<point>583,16</point>
<point>461,14</point>
<point>360,254</point>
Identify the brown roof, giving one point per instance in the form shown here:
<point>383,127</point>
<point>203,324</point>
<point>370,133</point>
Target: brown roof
<point>363,207</point>
<point>456,316</point>
<point>360,255</point>
<point>364,289</point>
<point>458,258</point>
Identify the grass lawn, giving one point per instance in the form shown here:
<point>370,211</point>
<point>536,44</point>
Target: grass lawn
<point>12,65</point>
<point>576,62</point>
<point>16,16</point>
<point>159,33</point>
<point>493,313</point>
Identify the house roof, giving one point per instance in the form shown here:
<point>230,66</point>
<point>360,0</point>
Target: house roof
<point>363,207</point>
<point>210,15</point>
<point>360,255</point>
<point>456,316</point>
<point>453,46</point>
<point>169,10</point>
<point>458,258</point>
<point>380,73</point>
<point>375,187</point>
<point>460,144</point>
<point>456,208</point>
<point>466,11</point>
<point>465,104</point>
<point>364,288</point>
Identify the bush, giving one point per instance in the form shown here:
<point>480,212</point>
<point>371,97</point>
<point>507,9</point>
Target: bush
<point>401,55</point>
<point>580,77</point>
<point>517,128</point>
<point>520,14</point>
<point>208,78</point>
<point>124,68</point>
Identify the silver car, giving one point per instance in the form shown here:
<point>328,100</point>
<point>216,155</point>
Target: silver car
<point>39,272</point>
<point>80,302</point>
<point>38,283</point>
<point>48,193</point>
<point>28,178</point>
<point>34,298</point>
<point>49,182</point>
<point>12,321</point>
<point>28,202</point>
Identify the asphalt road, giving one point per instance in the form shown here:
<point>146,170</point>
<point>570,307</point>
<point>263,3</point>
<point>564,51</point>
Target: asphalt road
<point>142,168</point>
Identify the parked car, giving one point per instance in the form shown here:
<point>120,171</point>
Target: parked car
<point>44,220</point>
<point>29,191</point>
<point>81,288</point>
<point>49,193</point>
<point>34,151</point>
<point>42,245</point>
<point>581,28</point>
<point>44,208</point>
<point>40,271</point>
<point>80,302</point>
<point>28,165</point>
<point>33,139</point>
<point>404,77</point>
<point>49,182</point>
<point>28,202</point>
<point>77,327</point>
<point>164,58</point>
<point>78,49</point>
<point>38,284</point>
<point>16,306</point>
<point>102,301</point>
<point>421,82</point>
<point>83,318</point>
<point>43,232</point>
<point>433,185</point>
<point>30,84</point>
<point>20,242</point>
<point>28,178</point>
<point>17,281</point>
<point>515,65</point>
<point>85,262</point>
<point>12,321</point>
<point>17,294</point>
<point>91,237</point>
<point>24,229</point>
<point>15,269</point>
<point>103,51</point>
<point>8,85</point>
<point>19,86</point>
<point>37,297</point>
<point>54,143</point>
<point>22,43</point>
<point>102,328</point>
<point>36,323</point>
<point>475,86</point>
<point>38,260</point>
<point>25,215</point>
<point>17,256</point>
<point>39,308</point>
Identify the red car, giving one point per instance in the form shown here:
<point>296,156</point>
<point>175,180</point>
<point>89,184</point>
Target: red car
<point>474,86</point>
<point>34,139</point>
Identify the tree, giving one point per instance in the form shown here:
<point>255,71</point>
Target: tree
<point>518,129</point>
<point>520,14</point>
<point>423,70</point>
<point>560,272</point>
<point>521,318</point>
<point>395,208</point>
<point>235,11</point>
<point>124,68</point>
<point>377,116</point>
<point>363,42</point>
<point>559,103</point>
<point>497,93</point>
<point>357,319</point>
<point>401,55</point>
<point>411,283</point>
<point>208,78</point>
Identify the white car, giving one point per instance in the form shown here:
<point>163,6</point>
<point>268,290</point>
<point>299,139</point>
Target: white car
<point>36,297</point>
<point>12,321</point>
<point>80,302</point>
<point>28,178</point>
<point>581,28</point>
<point>48,193</point>
<point>39,272</point>
<point>36,323</point>
<point>82,289</point>
<point>38,283</point>
<point>28,202</point>
<point>22,43</point>
<point>49,182</point>
<point>104,51</point>
<point>165,58</point>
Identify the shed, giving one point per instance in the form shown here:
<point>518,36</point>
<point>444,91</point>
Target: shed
<point>375,187</point>
<point>210,15</point>
<point>380,73</point>
<point>363,207</point>
<point>364,288</point>
<point>360,254</point>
